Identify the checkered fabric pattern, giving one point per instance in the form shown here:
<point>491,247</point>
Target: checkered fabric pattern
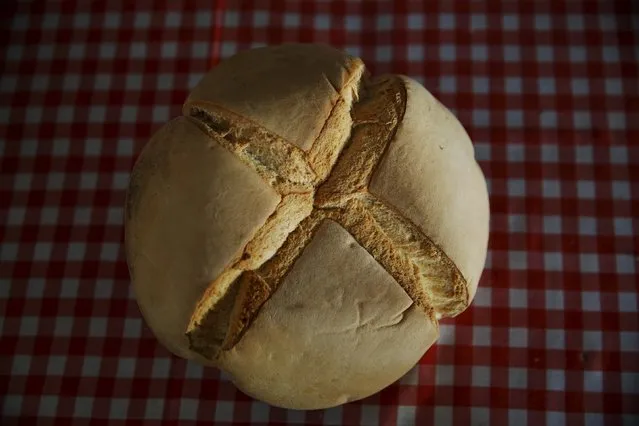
<point>548,91</point>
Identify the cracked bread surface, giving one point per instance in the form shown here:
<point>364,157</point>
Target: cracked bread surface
<point>289,90</point>
<point>318,185</point>
<point>338,329</point>
<point>187,187</point>
<point>445,195</point>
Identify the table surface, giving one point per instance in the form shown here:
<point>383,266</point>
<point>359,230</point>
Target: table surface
<point>548,92</point>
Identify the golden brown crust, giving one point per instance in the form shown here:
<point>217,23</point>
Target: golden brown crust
<point>437,274</point>
<point>281,164</point>
<point>359,221</point>
<point>253,292</point>
<point>333,136</point>
<point>208,338</point>
<point>267,241</point>
<point>266,280</point>
<point>375,119</point>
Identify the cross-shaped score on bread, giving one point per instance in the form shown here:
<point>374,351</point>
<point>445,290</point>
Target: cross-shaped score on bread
<point>423,270</point>
<point>304,226</point>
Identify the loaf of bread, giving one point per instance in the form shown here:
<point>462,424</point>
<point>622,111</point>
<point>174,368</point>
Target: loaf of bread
<point>304,226</point>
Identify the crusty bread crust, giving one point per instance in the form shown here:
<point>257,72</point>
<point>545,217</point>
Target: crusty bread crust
<point>339,174</point>
<point>281,164</point>
<point>427,275</point>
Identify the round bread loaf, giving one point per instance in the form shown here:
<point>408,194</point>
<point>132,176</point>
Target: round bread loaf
<point>303,226</point>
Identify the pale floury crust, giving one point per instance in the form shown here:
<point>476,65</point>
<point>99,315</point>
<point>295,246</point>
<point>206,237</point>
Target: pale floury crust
<point>304,226</point>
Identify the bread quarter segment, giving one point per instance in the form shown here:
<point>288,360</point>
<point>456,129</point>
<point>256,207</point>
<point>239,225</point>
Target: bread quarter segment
<point>430,176</point>
<point>188,189</point>
<point>305,83</point>
<point>338,329</point>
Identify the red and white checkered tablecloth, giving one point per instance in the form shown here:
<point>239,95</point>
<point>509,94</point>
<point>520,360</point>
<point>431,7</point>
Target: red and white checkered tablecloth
<point>549,92</point>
